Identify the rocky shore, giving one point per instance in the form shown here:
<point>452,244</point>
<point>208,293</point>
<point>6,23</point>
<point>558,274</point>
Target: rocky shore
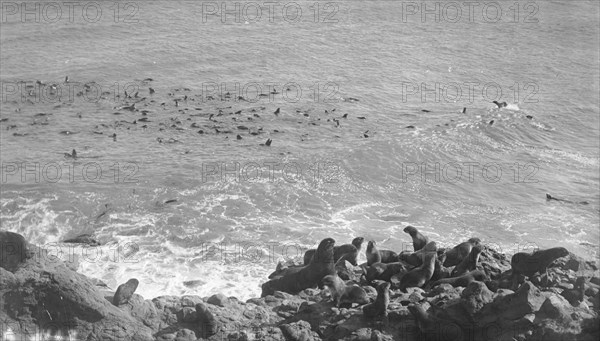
<point>42,298</point>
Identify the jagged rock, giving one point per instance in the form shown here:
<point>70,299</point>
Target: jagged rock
<point>525,300</point>
<point>476,296</point>
<point>190,300</point>
<point>45,290</point>
<point>218,299</point>
<point>185,335</point>
<point>208,324</point>
<point>298,331</point>
<point>555,307</point>
<point>188,314</point>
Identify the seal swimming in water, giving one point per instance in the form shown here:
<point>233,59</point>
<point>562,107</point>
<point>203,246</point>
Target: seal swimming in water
<point>419,240</point>
<point>125,291</point>
<point>342,293</point>
<point>72,155</point>
<point>549,197</point>
<point>379,256</point>
<point>379,307</point>
<point>500,105</point>
<point>308,276</point>
<point>347,251</point>
<point>83,239</point>
<point>469,263</point>
<point>455,255</point>
<point>418,277</point>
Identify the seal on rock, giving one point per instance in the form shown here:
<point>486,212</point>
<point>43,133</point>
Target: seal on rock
<point>379,307</point>
<point>416,258</point>
<point>528,264</point>
<point>342,293</point>
<point>455,255</point>
<point>469,263</point>
<point>418,277</point>
<point>309,276</point>
<point>125,291</point>
<point>464,280</point>
<point>385,271</point>
<point>347,251</point>
<point>379,256</point>
<point>419,240</point>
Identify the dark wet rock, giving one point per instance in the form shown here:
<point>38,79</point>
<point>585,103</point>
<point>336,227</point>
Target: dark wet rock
<point>14,250</point>
<point>298,331</point>
<point>40,290</point>
<point>476,296</point>
<point>218,299</point>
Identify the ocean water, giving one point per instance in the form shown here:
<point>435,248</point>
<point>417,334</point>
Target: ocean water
<point>241,206</point>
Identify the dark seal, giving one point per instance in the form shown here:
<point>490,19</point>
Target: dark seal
<point>375,255</point>
<point>379,307</point>
<point>125,291</point>
<point>464,280</point>
<point>418,277</point>
<point>385,271</point>
<point>344,294</point>
<point>309,276</point>
<point>469,263</point>
<point>419,240</point>
<point>536,262</point>
<point>455,255</point>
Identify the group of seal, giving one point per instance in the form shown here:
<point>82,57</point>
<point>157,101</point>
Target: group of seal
<point>308,276</point>
<point>347,252</point>
<point>427,266</point>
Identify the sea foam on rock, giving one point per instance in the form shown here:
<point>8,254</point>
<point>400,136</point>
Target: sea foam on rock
<point>44,295</point>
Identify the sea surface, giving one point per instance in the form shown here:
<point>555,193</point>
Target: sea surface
<point>198,213</point>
